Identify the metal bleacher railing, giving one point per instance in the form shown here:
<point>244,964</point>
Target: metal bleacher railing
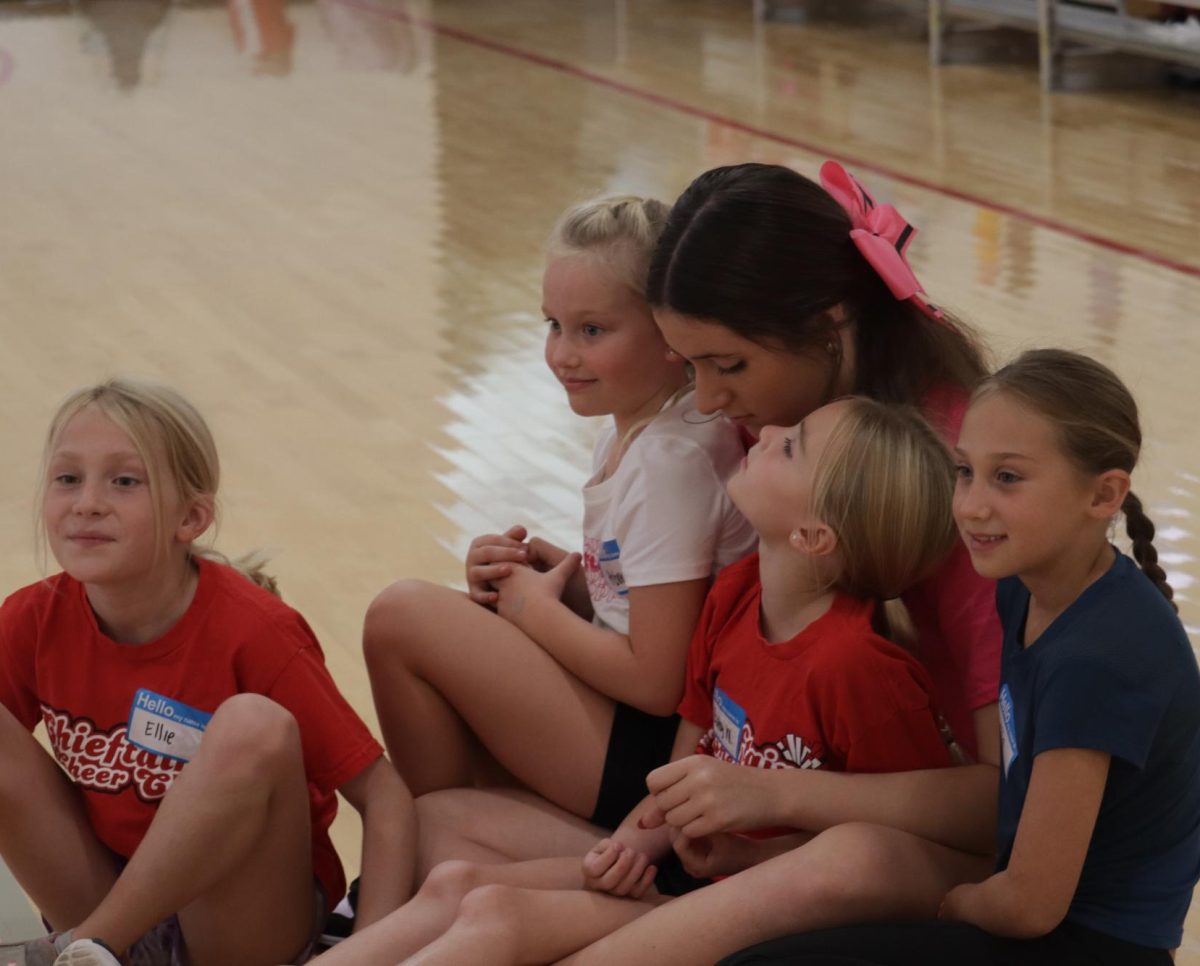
<point>1106,26</point>
<point>1061,26</point>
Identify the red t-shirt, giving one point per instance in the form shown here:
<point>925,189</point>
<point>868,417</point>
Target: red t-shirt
<point>954,610</point>
<point>836,696</point>
<point>57,666</point>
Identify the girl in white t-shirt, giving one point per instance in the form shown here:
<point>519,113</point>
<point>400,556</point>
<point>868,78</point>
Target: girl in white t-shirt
<point>558,668</point>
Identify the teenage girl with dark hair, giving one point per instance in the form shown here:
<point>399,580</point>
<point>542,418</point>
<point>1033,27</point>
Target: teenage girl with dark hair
<point>784,294</point>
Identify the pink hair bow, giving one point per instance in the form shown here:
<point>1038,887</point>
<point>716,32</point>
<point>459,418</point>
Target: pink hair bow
<point>881,234</point>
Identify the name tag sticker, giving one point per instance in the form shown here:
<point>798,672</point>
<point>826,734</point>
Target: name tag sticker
<point>1008,728</point>
<point>728,720</point>
<point>165,726</point>
<point>610,566</point>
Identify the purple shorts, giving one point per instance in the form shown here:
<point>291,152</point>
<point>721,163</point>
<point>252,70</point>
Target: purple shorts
<point>164,944</point>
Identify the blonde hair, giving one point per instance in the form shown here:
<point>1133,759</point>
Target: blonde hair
<point>884,485</point>
<point>1096,419</point>
<point>621,231</point>
<point>174,443</point>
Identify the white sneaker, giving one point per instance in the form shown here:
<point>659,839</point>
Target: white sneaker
<point>35,952</point>
<point>87,952</point>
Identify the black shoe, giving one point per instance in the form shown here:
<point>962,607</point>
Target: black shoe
<point>340,923</point>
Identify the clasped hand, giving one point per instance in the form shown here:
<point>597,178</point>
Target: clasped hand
<point>700,796</point>
<point>504,571</point>
<point>618,869</point>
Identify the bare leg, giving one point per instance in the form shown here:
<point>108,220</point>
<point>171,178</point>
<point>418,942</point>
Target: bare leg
<point>500,924</point>
<point>45,836</point>
<point>434,908</point>
<point>494,830</point>
<point>229,850</point>
<point>465,680</point>
<point>497,825</point>
<point>848,874</point>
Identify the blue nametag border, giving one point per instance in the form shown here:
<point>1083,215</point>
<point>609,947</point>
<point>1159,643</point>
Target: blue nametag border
<point>166,715</point>
<point>610,566</point>
<point>729,718</point>
<point>1008,727</point>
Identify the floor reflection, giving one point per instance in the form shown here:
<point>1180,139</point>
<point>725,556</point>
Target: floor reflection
<point>324,220</point>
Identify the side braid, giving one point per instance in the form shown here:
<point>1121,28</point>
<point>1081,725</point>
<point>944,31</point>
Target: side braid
<point>1141,531</point>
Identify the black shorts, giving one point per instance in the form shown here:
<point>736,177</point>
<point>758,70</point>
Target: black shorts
<point>673,879</point>
<point>946,944</point>
<point>637,744</point>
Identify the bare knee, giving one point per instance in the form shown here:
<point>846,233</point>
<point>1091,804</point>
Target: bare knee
<point>493,910</point>
<point>394,608</point>
<point>864,869</point>
<point>253,733</point>
<point>868,848</point>
<point>450,881</point>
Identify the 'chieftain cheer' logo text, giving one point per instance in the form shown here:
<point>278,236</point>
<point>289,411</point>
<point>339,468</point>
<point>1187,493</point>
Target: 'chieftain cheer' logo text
<point>791,751</point>
<point>105,761</point>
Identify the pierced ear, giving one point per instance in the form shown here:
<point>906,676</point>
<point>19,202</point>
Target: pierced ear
<point>199,517</point>
<point>1109,494</point>
<point>817,540</point>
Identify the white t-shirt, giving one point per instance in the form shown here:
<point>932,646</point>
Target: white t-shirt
<point>664,515</point>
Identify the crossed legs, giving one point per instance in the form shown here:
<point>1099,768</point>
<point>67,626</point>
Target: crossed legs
<point>229,849</point>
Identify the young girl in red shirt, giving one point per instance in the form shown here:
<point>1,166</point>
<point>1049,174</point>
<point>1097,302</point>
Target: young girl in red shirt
<point>196,738</point>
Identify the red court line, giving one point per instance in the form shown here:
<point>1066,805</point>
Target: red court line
<point>864,164</point>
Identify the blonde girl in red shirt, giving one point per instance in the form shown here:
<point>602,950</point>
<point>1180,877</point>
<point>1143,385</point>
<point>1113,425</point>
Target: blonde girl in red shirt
<point>201,739</point>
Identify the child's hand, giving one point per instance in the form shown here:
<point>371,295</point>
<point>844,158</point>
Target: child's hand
<point>727,853</point>
<point>720,854</point>
<point>702,796</point>
<point>543,555</point>
<point>492,557</point>
<point>524,584</point>
<point>617,869</point>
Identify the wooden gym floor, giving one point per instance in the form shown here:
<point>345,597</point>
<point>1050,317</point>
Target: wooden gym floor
<point>323,222</point>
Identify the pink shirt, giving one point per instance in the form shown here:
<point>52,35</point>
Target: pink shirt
<point>954,611</point>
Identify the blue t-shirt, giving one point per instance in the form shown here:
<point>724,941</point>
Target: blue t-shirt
<point>1115,673</point>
